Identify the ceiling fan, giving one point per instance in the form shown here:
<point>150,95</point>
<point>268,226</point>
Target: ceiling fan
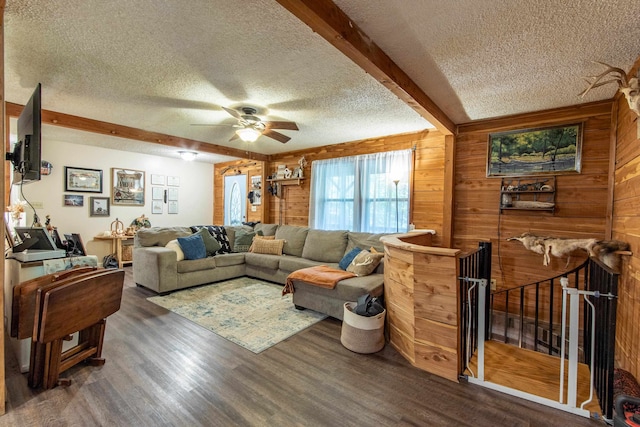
<point>250,127</point>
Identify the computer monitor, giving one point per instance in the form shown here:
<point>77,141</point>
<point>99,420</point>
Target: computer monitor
<point>36,238</point>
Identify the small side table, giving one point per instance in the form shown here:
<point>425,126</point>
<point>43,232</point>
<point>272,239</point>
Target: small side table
<point>116,247</point>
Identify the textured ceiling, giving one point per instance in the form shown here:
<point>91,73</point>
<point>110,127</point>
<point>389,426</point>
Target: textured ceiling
<point>163,65</point>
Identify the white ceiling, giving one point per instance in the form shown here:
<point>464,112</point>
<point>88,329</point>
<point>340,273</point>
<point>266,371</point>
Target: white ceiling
<point>163,65</point>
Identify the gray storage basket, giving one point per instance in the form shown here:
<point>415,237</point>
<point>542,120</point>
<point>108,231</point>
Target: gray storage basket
<point>362,334</point>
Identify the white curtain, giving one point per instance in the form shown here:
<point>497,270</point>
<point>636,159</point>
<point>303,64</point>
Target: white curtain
<point>359,193</point>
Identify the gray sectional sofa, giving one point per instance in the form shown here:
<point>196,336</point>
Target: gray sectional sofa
<point>156,267</point>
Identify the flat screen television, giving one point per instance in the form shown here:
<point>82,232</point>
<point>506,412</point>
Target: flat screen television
<point>27,151</point>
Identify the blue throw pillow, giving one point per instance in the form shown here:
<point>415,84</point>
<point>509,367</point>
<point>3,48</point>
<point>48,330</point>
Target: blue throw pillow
<point>346,260</point>
<point>192,246</point>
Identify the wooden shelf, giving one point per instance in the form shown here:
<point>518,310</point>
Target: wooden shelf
<point>528,194</point>
<point>290,181</point>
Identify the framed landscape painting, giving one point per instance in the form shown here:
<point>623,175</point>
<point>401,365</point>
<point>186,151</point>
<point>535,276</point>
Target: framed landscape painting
<point>538,151</point>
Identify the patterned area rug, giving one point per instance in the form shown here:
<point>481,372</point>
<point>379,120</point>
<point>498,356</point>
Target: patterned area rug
<point>246,311</point>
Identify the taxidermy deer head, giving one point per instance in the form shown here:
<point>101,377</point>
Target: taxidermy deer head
<point>630,87</point>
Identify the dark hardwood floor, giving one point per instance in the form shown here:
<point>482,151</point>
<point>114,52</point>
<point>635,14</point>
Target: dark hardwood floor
<point>163,370</point>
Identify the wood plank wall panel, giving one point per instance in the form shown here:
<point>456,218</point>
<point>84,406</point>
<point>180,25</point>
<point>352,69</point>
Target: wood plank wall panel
<point>581,199</point>
<point>626,227</point>
<point>246,167</point>
<point>428,186</point>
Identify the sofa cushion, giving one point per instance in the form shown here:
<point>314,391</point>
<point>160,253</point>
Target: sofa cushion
<point>225,260</point>
<point>219,233</point>
<point>269,247</point>
<point>347,289</point>
<point>292,263</point>
<point>210,243</point>
<point>294,238</point>
<point>243,240</point>
<point>192,246</point>
<point>159,236</point>
<point>364,263</point>
<point>365,241</point>
<point>188,266</point>
<point>261,260</point>
<point>346,260</point>
<point>175,246</point>
<point>266,229</point>
<point>325,245</point>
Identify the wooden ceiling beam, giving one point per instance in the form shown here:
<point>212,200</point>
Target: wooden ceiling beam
<point>111,129</point>
<point>330,22</point>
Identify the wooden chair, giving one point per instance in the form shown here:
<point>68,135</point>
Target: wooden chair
<point>79,304</point>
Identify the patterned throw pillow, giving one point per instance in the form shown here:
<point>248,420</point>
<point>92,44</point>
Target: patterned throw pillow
<point>219,233</point>
<point>364,263</point>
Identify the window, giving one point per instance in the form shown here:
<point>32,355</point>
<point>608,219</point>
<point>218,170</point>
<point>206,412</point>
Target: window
<point>360,193</point>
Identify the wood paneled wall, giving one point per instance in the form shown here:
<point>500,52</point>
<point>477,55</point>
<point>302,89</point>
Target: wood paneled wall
<point>581,199</point>
<point>429,195</point>
<point>626,227</point>
<point>239,167</point>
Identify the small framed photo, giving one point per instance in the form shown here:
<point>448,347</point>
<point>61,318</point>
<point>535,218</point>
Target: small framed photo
<point>73,200</point>
<point>172,207</point>
<point>172,194</point>
<point>157,179</point>
<point>156,206</point>
<point>99,206</point>
<point>82,180</point>
<point>173,181</point>
<point>157,193</point>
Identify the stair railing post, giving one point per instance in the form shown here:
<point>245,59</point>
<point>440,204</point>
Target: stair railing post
<point>482,301</point>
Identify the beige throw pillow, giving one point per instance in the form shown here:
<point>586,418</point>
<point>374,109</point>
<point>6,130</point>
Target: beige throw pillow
<point>256,237</point>
<point>364,263</point>
<point>175,246</point>
<point>270,247</point>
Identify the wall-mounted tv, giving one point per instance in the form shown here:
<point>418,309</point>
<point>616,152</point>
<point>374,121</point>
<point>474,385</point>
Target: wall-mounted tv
<point>26,155</point>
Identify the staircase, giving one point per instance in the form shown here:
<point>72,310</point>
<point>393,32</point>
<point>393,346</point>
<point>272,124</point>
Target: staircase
<point>531,317</point>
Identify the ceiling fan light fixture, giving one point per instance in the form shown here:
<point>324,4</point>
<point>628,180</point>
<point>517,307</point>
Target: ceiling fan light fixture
<point>188,155</point>
<point>248,134</point>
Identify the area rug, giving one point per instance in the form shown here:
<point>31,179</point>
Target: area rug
<point>248,312</point>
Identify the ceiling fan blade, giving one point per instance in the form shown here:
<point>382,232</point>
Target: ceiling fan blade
<point>207,124</point>
<point>234,113</point>
<point>280,125</point>
<point>276,135</point>
<point>234,137</point>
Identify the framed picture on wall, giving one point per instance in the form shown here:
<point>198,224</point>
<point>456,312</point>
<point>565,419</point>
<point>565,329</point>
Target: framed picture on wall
<point>82,180</point>
<point>172,207</point>
<point>73,200</point>
<point>98,206</point>
<point>157,179</point>
<point>538,151</point>
<point>156,206</point>
<point>127,187</point>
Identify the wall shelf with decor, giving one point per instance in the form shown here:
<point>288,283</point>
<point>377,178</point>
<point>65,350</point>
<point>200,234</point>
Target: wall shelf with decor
<point>531,194</point>
<point>285,181</point>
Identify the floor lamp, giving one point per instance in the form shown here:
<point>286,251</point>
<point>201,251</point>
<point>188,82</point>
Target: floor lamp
<point>396,181</point>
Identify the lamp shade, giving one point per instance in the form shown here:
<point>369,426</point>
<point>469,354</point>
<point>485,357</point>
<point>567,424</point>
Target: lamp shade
<point>248,134</point>
<point>187,155</point>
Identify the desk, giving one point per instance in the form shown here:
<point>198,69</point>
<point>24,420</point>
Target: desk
<point>116,247</point>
